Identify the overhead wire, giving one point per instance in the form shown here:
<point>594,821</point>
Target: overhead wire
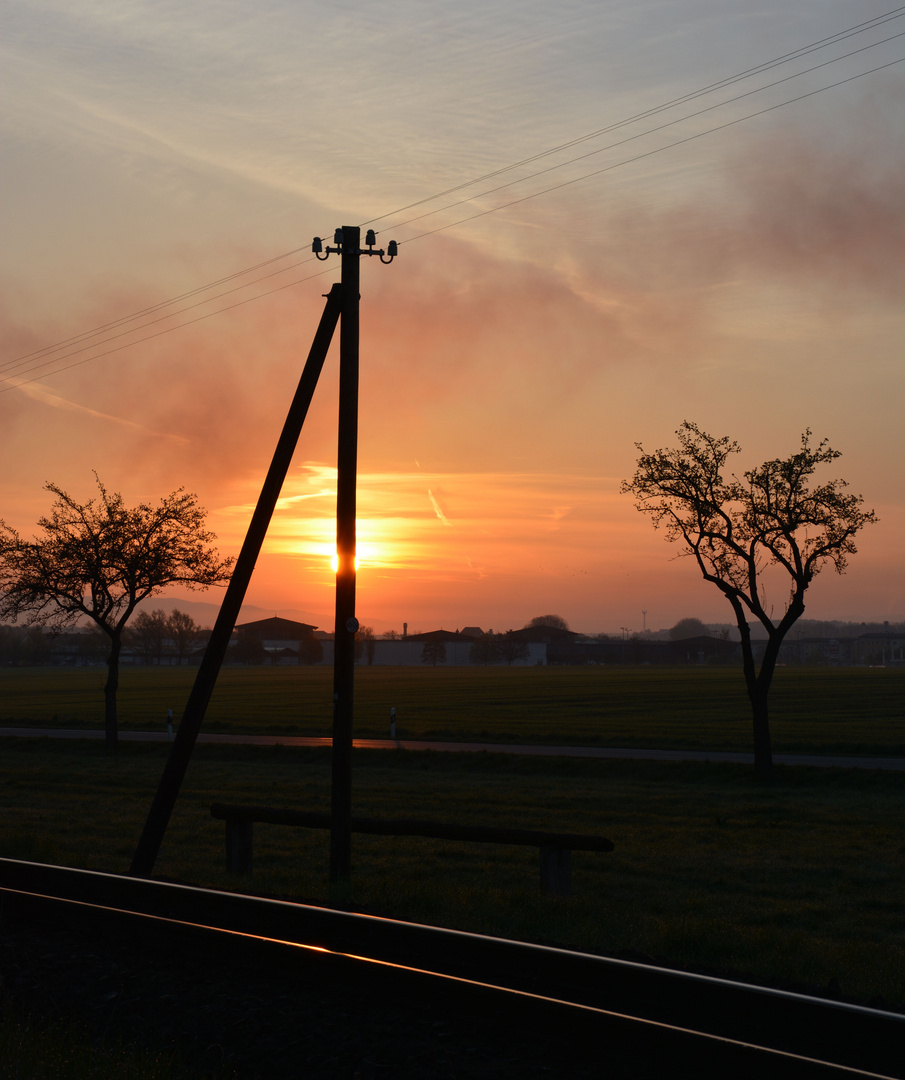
<point>649,153</point>
<point>660,127</point>
<point>152,322</point>
<point>157,307</point>
<point>167,330</point>
<point>49,356</point>
<point>785,58</point>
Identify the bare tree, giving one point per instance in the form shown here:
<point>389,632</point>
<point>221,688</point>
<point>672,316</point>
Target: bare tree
<point>99,560</point>
<point>735,529</point>
<point>433,653</point>
<point>365,644</point>
<point>511,647</point>
<point>148,634</point>
<point>182,632</point>
<point>484,650</point>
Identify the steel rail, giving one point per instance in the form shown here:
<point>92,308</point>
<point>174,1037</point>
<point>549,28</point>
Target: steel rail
<point>791,1034</point>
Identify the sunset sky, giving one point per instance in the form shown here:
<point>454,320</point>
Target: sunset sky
<point>612,216</point>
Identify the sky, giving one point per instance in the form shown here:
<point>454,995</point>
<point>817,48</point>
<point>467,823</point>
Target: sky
<point>611,216</point>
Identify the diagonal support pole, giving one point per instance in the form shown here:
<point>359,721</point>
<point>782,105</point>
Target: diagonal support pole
<point>184,742</point>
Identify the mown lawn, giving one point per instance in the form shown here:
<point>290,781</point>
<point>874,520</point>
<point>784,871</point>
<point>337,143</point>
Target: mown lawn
<point>817,710</point>
<point>800,880</point>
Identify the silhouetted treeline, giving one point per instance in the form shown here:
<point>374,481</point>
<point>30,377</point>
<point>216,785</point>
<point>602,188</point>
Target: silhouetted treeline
<point>154,638</point>
<point>34,646</point>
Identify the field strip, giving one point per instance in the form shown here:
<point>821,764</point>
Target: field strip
<point>603,752</point>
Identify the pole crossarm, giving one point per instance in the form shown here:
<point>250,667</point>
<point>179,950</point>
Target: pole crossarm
<point>344,245</point>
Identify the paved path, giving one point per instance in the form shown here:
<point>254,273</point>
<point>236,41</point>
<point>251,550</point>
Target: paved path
<point>473,748</point>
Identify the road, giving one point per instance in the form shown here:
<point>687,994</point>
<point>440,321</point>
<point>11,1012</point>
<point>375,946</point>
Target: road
<point>611,753</point>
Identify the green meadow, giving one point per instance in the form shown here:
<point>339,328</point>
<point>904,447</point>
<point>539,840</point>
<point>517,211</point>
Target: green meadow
<point>42,1049</point>
<point>797,882</point>
<point>816,710</point>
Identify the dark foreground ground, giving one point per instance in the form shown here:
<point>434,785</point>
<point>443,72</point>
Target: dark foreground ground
<point>228,1008</point>
<point>231,1013</point>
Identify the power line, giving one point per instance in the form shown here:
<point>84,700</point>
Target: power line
<point>842,35</point>
<point>154,307</point>
<point>46,358</point>
<point>649,153</point>
<point>85,337</point>
<point>167,330</point>
<point>150,322</point>
<point>654,130</point>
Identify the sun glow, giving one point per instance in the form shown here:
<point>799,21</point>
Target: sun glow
<point>366,554</point>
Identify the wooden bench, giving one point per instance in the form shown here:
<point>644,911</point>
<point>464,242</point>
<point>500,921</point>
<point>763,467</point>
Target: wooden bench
<point>555,848</point>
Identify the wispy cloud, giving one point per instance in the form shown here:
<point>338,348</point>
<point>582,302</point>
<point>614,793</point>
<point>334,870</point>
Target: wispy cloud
<point>437,509</point>
<point>557,515</point>
<point>55,400</point>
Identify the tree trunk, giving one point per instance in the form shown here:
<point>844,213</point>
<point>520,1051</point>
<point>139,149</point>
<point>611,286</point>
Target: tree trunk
<point>110,689</point>
<point>763,752</point>
<point>758,686</point>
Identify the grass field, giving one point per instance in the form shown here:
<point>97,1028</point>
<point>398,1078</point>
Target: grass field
<point>44,1050</point>
<point>817,710</point>
<point>799,881</point>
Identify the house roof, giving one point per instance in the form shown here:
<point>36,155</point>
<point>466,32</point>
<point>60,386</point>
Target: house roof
<point>277,629</point>
<point>441,635</point>
<point>544,634</point>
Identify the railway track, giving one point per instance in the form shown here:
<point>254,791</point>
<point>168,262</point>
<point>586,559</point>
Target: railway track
<point>636,1019</point>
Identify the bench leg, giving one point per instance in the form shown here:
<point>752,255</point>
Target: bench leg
<point>556,871</point>
<point>238,847</point>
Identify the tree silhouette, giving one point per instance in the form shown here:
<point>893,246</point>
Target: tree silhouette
<point>510,647</point>
<point>484,650</point>
<point>686,628</point>
<point>99,560</point>
<point>735,529</point>
<point>148,634</point>
<point>556,621</point>
<point>182,631</point>
<point>365,644</point>
<point>433,653</point>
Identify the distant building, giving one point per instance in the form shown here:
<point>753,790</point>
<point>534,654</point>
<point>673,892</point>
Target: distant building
<point>871,650</point>
<point>284,641</point>
<point>695,650</point>
<point>407,651</point>
<point>287,642</point>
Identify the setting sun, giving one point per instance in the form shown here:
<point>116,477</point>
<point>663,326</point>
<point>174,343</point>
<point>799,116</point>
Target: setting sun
<point>533,329</point>
<point>365,554</point>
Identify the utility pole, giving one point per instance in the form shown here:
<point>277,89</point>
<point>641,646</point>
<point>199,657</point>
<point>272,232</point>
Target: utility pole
<point>193,716</point>
<point>347,241</point>
<point>625,632</point>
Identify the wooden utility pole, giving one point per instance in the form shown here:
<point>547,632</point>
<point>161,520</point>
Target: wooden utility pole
<point>342,304</point>
<point>346,624</point>
<point>348,246</point>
